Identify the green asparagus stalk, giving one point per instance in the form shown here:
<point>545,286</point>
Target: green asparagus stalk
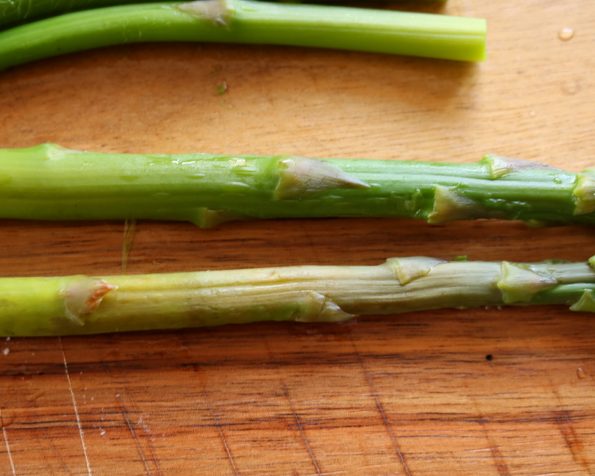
<point>14,12</point>
<point>48,182</point>
<point>245,21</point>
<point>89,305</point>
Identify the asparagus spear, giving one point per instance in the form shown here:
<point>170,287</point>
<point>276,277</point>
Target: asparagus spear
<point>245,21</point>
<point>48,182</point>
<point>88,305</point>
<point>20,11</point>
<point>14,12</point>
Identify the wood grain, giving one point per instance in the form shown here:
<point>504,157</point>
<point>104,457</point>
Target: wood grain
<point>483,392</point>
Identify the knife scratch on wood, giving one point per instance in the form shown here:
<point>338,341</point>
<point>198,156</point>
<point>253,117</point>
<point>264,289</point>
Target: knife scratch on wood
<point>76,410</point>
<point>216,417</point>
<point>296,417</point>
<point>301,430</point>
<point>7,445</point>
<point>381,411</point>
<point>134,435</point>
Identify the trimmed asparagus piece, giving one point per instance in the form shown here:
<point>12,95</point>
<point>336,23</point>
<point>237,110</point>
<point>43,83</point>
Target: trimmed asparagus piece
<point>21,11</point>
<point>89,305</point>
<point>246,21</point>
<point>48,182</point>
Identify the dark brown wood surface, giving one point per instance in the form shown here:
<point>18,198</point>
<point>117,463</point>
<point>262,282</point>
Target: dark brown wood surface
<point>450,392</point>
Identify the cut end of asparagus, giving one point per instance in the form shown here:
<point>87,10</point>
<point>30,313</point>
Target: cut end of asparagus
<point>584,193</point>
<point>83,296</point>
<point>586,303</point>
<point>519,284</point>
<point>450,205</point>
<point>300,177</point>
<point>220,12</point>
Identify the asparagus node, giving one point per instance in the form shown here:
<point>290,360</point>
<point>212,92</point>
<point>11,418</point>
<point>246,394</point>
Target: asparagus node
<point>252,22</point>
<point>90,305</point>
<point>49,182</point>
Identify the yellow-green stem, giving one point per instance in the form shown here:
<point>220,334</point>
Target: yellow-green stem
<point>88,305</point>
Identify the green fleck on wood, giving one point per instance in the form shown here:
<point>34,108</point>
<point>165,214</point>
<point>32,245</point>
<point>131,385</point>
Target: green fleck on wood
<point>89,305</point>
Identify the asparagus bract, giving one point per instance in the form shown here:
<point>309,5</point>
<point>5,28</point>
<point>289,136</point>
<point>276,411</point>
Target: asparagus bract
<point>88,305</point>
<point>246,21</point>
<point>48,182</point>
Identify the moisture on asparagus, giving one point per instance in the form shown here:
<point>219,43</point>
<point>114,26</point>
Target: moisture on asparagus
<point>246,21</point>
<point>88,305</point>
<point>48,182</point>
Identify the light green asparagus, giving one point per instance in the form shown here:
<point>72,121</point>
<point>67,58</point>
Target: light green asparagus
<point>89,305</point>
<point>48,182</point>
<point>246,21</point>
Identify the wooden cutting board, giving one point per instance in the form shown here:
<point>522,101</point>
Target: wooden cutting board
<point>435,393</point>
